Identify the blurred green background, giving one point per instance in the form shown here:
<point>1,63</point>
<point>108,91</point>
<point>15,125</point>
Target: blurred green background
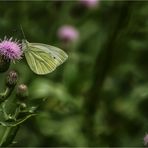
<point>99,96</point>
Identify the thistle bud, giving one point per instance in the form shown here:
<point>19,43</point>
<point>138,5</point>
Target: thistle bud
<point>23,106</point>
<point>4,63</point>
<point>11,79</point>
<point>22,92</point>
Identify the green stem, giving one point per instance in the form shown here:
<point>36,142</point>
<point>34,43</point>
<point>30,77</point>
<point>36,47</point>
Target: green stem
<point>8,136</point>
<point>103,65</point>
<point>6,94</point>
<point>5,135</point>
<point>9,132</point>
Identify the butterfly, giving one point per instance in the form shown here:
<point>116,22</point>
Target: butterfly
<point>42,58</point>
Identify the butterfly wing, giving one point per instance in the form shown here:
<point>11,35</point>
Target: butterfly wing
<point>57,54</point>
<point>43,59</point>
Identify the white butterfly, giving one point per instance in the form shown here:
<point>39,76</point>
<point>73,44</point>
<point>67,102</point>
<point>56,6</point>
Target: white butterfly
<point>43,58</point>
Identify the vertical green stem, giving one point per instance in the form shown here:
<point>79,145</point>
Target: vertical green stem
<point>9,132</point>
<point>6,94</point>
<point>5,135</point>
<point>8,136</point>
<point>102,66</point>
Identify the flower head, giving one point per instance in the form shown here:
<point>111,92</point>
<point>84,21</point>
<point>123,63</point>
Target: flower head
<point>68,33</point>
<point>89,3</point>
<point>145,139</point>
<point>10,49</point>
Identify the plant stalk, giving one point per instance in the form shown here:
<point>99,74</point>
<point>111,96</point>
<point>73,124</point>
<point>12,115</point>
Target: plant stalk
<point>8,136</point>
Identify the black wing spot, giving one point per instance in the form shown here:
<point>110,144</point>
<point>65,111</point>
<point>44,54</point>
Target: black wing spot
<point>54,57</point>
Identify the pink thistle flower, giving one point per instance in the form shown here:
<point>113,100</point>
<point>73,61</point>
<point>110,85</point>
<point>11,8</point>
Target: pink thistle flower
<point>89,3</point>
<point>10,49</point>
<point>145,139</point>
<point>68,33</point>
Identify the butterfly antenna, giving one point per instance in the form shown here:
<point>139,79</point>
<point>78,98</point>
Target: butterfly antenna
<point>23,32</point>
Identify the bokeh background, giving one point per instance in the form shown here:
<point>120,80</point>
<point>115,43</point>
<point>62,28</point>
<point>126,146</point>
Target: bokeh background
<point>99,96</point>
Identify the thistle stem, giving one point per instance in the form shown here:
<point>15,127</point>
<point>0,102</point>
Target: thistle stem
<point>5,135</point>
<point>9,132</point>
<point>6,94</point>
<point>8,136</point>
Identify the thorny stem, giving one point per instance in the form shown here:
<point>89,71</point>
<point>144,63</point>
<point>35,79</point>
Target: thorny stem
<point>8,136</point>
<point>3,98</point>
<point>9,132</point>
<point>5,95</point>
<point>5,135</point>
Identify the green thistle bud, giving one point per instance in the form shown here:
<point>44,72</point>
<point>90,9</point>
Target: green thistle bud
<point>11,79</point>
<point>23,106</point>
<point>22,92</point>
<point>4,63</point>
